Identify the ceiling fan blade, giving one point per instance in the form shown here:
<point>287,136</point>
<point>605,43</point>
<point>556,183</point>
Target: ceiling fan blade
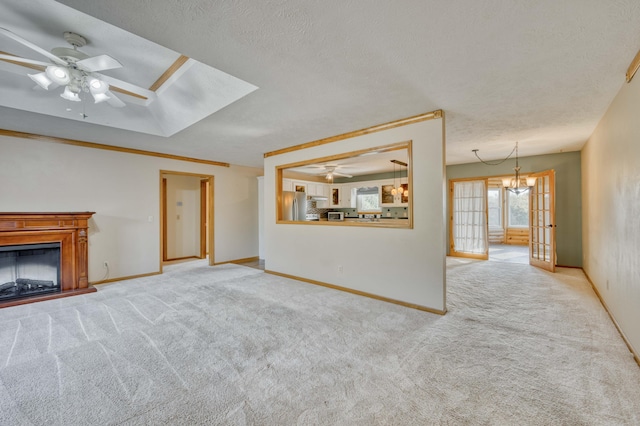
<point>342,174</point>
<point>99,63</point>
<point>32,46</point>
<point>52,86</point>
<point>127,88</point>
<point>114,101</point>
<point>30,63</point>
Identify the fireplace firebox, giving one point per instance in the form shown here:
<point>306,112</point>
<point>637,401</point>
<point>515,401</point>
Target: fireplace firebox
<point>29,269</point>
<point>43,256</point>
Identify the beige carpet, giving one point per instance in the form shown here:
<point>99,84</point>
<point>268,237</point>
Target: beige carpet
<point>233,345</point>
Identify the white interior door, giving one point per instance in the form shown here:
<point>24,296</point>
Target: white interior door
<point>542,227</point>
<point>468,230</point>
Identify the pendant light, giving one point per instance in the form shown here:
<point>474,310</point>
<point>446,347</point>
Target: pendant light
<point>394,191</point>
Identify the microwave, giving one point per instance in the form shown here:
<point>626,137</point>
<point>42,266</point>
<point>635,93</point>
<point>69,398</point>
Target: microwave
<point>335,216</point>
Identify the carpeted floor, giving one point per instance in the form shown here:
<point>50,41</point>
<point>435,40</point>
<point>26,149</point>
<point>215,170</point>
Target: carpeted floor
<point>233,345</point>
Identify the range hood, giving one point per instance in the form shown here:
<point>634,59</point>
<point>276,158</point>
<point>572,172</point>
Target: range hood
<point>317,198</point>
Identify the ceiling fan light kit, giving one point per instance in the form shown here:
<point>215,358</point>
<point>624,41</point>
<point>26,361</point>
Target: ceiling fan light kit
<point>59,75</point>
<point>74,70</point>
<point>70,95</point>
<point>41,80</point>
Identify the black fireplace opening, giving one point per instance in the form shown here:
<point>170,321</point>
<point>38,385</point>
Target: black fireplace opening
<point>29,270</point>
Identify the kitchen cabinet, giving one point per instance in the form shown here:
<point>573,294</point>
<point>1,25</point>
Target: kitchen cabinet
<point>348,195</point>
<point>335,195</point>
<point>340,196</point>
<point>299,186</point>
<point>317,189</point>
<point>388,199</point>
<point>312,189</point>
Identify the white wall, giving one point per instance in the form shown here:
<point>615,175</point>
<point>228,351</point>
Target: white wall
<point>611,213</point>
<point>124,190</point>
<point>183,216</point>
<point>402,264</point>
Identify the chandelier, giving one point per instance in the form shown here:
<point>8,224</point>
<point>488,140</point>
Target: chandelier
<point>516,184</point>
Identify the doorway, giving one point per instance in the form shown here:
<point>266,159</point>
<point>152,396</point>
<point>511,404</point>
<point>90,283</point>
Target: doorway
<point>186,206</point>
<point>491,223</point>
<point>508,221</point>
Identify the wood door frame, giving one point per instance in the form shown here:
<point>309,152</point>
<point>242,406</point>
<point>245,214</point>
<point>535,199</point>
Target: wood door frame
<point>551,264</point>
<point>163,223</point>
<point>209,218</point>
<point>203,218</point>
<point>487,177</point>
<point>452,251</point>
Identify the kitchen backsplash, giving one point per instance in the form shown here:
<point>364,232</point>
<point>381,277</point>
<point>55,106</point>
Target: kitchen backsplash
<point>312,207</point>
<point>391,212</point>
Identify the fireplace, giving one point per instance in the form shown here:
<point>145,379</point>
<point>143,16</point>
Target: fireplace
<point>43,256</point>
<point>28,270</point>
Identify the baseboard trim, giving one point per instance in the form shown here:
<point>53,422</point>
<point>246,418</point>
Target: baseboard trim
<point>130,277</point>
<point>246,259</point>
<point>173,259</point>
<point>636,357</point>
<point>359,293</point>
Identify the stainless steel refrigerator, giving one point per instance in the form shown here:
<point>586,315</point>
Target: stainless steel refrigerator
<point>294,205</point>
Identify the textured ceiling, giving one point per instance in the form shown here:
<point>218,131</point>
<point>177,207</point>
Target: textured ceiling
<point>539,72</point>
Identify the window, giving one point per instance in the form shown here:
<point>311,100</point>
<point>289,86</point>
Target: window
<point>494,198</point>
<point>368,199</point>
<point>518,210</point>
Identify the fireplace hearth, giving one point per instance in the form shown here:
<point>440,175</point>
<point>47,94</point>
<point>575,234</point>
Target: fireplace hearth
<point>43,256</point>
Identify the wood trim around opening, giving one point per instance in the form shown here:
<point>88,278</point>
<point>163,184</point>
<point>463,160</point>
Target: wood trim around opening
<point>64,141</point>
<point>22,64</point>
<point>169,72</point>
<point>163,215</point>
<point>210,213</point>
<point>633,67</point>
<point>378,128</point>
<point>203,218</point>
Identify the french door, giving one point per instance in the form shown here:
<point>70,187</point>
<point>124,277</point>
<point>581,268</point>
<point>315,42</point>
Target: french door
<point>542,227</point>
<point>468,223</point>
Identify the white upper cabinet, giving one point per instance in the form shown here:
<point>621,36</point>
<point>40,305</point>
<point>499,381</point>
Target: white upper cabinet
<point>335,195</point>
<point>387,196</point>
<point>342,195</point>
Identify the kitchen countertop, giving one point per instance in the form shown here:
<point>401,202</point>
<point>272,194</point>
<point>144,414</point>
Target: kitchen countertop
<point>385,223</point>
<point>378,223</point>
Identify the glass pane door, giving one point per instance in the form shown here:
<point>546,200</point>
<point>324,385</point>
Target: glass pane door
<point>468,225</point>
<point>542,250</point>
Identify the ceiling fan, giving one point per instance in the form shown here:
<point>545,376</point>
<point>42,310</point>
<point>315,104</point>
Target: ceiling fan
<point>329,171</point>
<point>75,70</point>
